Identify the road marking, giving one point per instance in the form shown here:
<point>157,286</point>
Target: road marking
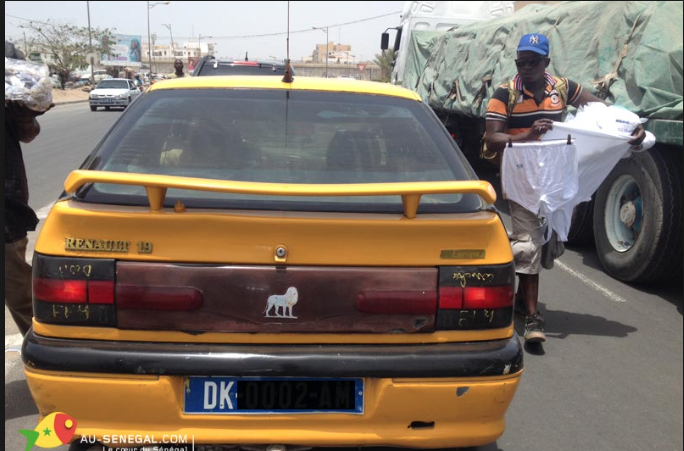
<point>605,291</point>
<point>43,212</point>
<point>33,236</point>
<point>13,341</point>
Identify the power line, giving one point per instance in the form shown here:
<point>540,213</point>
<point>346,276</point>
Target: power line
<point>27,20</point>
<point>307,30</point>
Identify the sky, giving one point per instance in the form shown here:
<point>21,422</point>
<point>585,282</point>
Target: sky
<point>236,27</point>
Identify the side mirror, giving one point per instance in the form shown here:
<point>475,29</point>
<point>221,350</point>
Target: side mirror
<point>384,42</point>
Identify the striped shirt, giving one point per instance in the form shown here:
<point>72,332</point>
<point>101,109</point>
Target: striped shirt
<point>527,110</point>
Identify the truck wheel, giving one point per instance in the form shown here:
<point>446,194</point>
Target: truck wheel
<point>582,225</point>
<point>638,217</point>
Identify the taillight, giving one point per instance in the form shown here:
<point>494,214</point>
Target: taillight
<point>61,291</point>
<point>84,292</point>
<point>74,291</point>
<point>475,297</point>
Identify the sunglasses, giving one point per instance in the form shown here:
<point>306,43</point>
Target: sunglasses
<point>531,63</point>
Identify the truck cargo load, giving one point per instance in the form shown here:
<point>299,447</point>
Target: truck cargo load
<point>628,53</point>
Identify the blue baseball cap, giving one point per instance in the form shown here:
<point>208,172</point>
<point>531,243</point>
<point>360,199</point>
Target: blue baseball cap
<point>537,43</point>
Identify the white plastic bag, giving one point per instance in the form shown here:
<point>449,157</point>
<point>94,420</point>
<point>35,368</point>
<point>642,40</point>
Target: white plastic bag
<point>613,120</point>
<point>619,120</point>
<point>28,82</point>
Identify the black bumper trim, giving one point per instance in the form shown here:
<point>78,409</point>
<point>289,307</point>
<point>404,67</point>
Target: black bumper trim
<point>488,358</point>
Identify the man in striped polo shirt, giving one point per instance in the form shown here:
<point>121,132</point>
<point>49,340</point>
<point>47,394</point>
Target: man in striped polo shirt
<point>532,115</point>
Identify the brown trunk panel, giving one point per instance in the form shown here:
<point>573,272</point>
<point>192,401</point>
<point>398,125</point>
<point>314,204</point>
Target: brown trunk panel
<point>236,298</point>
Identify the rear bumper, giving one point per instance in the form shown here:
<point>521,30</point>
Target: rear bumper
<point>421,396</point>
<point>114,102</point>
<point>416,413</point>
<point>475,359</point>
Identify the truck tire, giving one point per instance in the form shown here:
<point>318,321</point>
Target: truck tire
<point>582,225</point>
<point>638,217</point>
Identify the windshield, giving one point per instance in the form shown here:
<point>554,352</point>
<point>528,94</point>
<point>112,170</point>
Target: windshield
<point>279,136</point>
<point>112,84</point>
<point>238,69</point>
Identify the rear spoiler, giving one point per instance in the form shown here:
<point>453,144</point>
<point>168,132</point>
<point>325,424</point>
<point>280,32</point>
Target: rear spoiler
<point>157,185</point>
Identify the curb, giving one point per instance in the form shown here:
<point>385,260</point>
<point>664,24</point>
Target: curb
<point>70,101</point>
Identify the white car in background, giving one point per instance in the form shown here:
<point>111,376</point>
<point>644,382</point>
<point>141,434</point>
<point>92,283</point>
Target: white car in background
<point>98,75</point>
<point>119,92</point>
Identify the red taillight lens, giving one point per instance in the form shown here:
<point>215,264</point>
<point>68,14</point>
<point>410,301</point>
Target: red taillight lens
<point>488,297</point>
<point>73,291</point>
<point>131,297</point>
<point>398,302</point>
<point>61,291</point>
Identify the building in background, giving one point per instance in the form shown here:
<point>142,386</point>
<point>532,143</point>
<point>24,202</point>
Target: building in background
<point>335,52</point>
<point>189,49</point>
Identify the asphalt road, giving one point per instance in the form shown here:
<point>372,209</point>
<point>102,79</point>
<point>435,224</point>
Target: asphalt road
<point>609,376</point>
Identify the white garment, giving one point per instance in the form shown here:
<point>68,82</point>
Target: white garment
<point>597,155</point>
<point>554,187</point>
<point>540,175</point>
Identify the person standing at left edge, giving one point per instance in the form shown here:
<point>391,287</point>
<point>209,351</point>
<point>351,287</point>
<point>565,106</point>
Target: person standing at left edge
<point>20,126</point>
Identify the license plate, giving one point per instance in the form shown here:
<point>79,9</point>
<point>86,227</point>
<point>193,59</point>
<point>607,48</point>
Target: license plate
<point>231,395</point>
<point>107,100</point>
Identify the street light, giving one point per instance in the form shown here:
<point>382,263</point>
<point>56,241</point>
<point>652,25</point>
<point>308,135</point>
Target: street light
<point>349,56</point>
<point>327,52</point>
<point>200,44</point>
<point>149,36</point>
<point>173,49</point>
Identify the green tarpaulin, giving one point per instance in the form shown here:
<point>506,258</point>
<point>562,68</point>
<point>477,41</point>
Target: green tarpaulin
<point>459,70</point>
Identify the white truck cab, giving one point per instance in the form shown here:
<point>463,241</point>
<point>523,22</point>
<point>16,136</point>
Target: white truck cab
<point>438,16</point>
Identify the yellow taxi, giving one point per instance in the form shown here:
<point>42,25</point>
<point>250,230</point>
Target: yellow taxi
<point>250,261</point>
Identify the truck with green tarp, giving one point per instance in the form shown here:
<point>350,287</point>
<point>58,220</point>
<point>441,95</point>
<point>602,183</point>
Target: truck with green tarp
<point>628,53</point>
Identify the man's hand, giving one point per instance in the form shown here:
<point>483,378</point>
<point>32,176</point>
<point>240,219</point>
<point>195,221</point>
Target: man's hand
<point>539,127</point>
<point>24,118</point>
<point>639,134</point>
<point>17,109</point>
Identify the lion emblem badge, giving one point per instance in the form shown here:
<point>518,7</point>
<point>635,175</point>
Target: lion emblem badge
<point>282,304</point>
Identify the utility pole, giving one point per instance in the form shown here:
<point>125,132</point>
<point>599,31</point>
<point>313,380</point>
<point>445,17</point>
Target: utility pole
<point>327,49</point>
<point>92,60</point>
<point>149,36</point>
<point>173,48</point>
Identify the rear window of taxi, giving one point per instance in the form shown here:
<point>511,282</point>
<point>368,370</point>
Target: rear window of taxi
<point>281,136</point>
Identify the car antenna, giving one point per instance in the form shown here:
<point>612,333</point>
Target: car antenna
<point>287,78</point>
<point>246,53</point>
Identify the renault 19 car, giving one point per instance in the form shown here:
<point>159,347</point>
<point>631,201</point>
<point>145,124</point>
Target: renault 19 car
<point>248,261</point>
<point>118,92</point>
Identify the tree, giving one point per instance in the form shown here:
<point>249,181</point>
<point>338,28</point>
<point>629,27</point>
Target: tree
<point>65,46</point>
<point>386,62</point>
